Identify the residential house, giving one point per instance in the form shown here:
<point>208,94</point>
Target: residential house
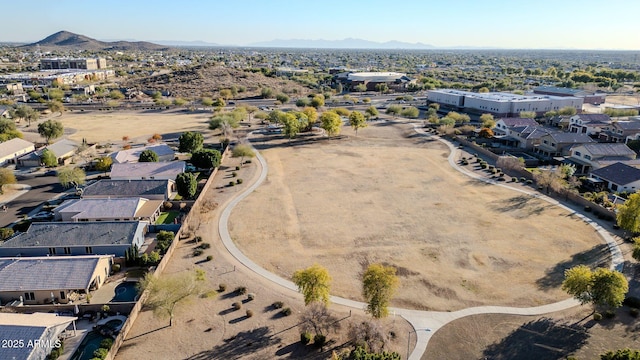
<point>618,131</point>
<point>589,157</point>
<point>110,209</point>
<point>63,150</point>
<point>147,170</point>
<point>34,335</point>
<point>76,238</point>
<point>165,153</point>
<point>590,124</point>
<point>11,150</point>
<point>525,137</point>
<point>560,121</point>
<point>618,177</point>
<point>148,189</point>
<point>51,279</point>
<point>559,143</point>
<point>503,124</point>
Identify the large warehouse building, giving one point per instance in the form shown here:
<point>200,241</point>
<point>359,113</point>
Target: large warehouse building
<point>393,80</point>
<point>501,104</point>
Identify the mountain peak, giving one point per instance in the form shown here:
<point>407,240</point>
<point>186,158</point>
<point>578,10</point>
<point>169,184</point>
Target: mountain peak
<point>69,40</point>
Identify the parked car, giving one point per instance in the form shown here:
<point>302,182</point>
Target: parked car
<point>42,215</point>
<point>51,173</point>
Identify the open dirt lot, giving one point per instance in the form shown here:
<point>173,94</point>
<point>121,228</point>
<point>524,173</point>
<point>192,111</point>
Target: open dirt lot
<point>99,126</point>
<point>391,197</point>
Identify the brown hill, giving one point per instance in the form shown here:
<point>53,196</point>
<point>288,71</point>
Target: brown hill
<point>71,41</point>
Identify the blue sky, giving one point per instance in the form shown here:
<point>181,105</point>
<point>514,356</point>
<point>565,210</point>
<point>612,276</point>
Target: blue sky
<point>572,24</point>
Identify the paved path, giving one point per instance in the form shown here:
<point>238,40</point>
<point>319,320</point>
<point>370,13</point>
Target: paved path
<point>425,323</point>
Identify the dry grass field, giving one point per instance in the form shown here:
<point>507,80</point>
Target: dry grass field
<point>390,197</point>
<point>111,126</point>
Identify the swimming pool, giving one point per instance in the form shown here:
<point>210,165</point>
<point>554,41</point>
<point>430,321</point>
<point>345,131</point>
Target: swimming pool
<point>126,291</point>
<point>89,344</point>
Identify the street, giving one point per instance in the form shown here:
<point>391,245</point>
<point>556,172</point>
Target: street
<point>43,188</point>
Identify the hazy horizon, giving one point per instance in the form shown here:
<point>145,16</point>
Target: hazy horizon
<point>492,24</point>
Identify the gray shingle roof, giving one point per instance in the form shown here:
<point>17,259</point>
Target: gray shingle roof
<point>512,122</point>
<point>15,332</point>
<point>571,138</point>
<point>47,273</point>
<point>128,188</point>
<point>14,145</point>
<point>628,125</point>
<point>76,234</point>
<point>618,173</point>
<point>101,208</point>
<point>603,118</point>
<point>158,170</point>
<point>63,147</point>
<point>609,149</point>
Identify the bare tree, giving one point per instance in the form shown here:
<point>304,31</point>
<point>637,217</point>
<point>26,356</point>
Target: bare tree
<point>316,318</point>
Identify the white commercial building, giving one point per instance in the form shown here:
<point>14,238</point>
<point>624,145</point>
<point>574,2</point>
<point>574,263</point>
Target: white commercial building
<point>502,104</point>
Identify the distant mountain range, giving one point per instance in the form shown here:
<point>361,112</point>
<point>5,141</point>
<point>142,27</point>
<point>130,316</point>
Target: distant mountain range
<point>71,41</point>
<point>348,43</point>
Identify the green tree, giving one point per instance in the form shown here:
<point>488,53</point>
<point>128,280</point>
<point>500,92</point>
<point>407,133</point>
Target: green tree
<point>317,101</point>
<point>628,215</point>
<point>411,112</point>
<point>458,118</point>
<point>148,156</point>
<point>291,124</point>
<point>226,94</point>
<point>219,103</point>
<point>314,283</point>
<point>331,122</point>
<point>379,284</point>
<point>242,151</point>
<point>55,94</point>
<point>104,163</point>
<point>599,287</point>
<point>6,177</point>
<point>6,233</point>
<point>394,110</point>
<point>223,121</point>
<point>302,102</point>
<point>312,116</point>
<point>187,184</point>
<point>167,291</point>
<point>71,176</point>
<point>371,112</point>
<point>266,93</point>
<point>360,88</point>
<point>483,89</point>
<point>55,106</point>
<point>48,158</point>
<point>116,95</point>
<point>8,130</point>
<point>283,98</point>
<point>206,158</point>
<point>382,88</point>
<point>179,101</point>
<point>357,121</point>
<point>528,114</point>
<point>487,121</point>
<point>50,129</point>
<point>636,249</point>
<point>206,101</point>
<point>190,141</point>
<point>26,112</point>
<point>435,106</point>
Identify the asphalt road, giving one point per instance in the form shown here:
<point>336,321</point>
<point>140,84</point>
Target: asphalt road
<point>43,188</point>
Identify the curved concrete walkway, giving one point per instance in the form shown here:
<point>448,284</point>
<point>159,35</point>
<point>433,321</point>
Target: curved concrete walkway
<point>425,323</point>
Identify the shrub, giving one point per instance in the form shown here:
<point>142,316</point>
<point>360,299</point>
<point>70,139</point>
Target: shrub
<point>106,343</point>
<point>234,174</point>
<point>500,179</point>
<point>100,353</point>
<point>514,179</point>
<point>609,314</point>
<point>634,312</point>
<point>241,290</point>
<point>483,166</point>
<point>305,338</point>
<point>204,246</point>
<point>319,340</point>
<point>239,181</point>
<point>197,239</point>
<point>197,252</point>
<point>209,257</point>
<point>277,305</point>
<point>237,305</point>
<point>597,316</point>
<point>587,208</point>
<point>237,167</point>
<point>115,268</point>
<point>222,287</point>
<point>529,182</point>
<point>286,311</point>
<point>248,161</point>
<point>251,296</point>
<point>523,179</point>
<point>231,183</point>
<point>249,313</point>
